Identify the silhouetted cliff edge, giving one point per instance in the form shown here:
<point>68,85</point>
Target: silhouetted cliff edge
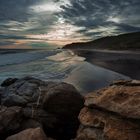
<point>129,41</point>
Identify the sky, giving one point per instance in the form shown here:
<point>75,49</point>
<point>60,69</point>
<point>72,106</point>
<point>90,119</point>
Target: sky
<point>44,23</point>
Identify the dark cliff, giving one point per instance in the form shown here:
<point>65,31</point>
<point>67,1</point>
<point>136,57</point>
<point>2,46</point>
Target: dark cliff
<point>130,41</point>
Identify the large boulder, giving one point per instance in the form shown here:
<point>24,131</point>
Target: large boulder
<point>53,106</point>
<point>55,97</point>
<point>29,134</point>
<point>63,103</point>
<point>122,97</point>
<point>112,113</point>
<point>21,92</point>
<point>63,99</point>
<point>8,82</point>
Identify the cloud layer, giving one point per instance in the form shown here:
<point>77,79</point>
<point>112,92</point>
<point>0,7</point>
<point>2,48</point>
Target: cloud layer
<point>68,19</point>
<point>103,17</point>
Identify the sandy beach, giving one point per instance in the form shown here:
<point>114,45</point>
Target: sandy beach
<point>124,62</point>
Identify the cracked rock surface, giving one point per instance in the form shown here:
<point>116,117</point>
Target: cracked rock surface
<point>112,113</point>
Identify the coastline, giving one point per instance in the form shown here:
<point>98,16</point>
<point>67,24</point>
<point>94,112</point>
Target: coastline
<point>59,65</point>
<point>31,108</point>
<point>124,62</point>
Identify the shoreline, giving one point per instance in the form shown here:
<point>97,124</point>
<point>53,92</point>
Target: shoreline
<point>68,67</point>
<point>31,108</point>
<point>123,62</point>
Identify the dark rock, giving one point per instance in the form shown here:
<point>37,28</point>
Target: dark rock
<point>1,92</point>
<point>63,99</point>
<point>44,118</point>
<point>22,92</point>
<point>35,113</point>
<point>29,134</point>
<point>10,119</point>
<point>8,82</point>
<point>52,105</point>
<point>30,123</point>
<point>64,102</point>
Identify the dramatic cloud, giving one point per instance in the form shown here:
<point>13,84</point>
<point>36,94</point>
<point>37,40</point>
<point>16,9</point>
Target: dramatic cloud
<point>67,20</point>
<point>103,17</point>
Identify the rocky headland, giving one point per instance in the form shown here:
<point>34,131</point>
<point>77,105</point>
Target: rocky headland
<point>129,41</point>
<point>120,53</point>
<point>32,109</point>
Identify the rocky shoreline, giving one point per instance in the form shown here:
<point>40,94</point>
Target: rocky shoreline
<point>112,113</point>
<point>32,109</point>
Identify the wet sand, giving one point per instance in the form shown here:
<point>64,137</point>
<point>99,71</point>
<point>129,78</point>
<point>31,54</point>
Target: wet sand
<point>124,62</point>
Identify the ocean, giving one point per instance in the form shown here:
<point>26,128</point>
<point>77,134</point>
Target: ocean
<point>56,65</point>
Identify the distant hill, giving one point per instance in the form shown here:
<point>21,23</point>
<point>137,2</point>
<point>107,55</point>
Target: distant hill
<point>130,41</point>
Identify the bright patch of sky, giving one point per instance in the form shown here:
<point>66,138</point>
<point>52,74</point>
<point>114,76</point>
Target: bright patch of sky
<point>67,21</point>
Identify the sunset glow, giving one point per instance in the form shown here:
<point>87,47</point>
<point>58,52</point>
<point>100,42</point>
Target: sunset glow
<point>65,21</point>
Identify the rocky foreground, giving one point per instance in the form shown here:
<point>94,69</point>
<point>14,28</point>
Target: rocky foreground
<point>112,113</point>
<point>32,109</point>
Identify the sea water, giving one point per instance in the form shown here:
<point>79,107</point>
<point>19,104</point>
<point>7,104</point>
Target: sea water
<point>56,65</point>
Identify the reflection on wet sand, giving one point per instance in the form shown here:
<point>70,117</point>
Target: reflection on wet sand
<point>127,63</point>
<point>87,77</point>
<point>58,66</point>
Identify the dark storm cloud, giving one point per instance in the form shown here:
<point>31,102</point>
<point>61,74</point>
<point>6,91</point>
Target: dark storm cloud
<point>15,9</point>
<point>17,16</point>
<point>92,14</point>
<point>95,18</point>
<point>13,15</point>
